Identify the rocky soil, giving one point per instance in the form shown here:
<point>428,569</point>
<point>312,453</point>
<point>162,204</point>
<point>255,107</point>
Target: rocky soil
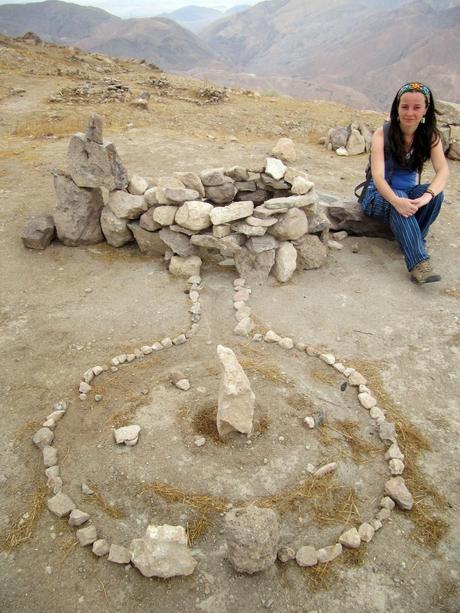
<point>66,309</point>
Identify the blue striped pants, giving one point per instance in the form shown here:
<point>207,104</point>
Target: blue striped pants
<point>410,232</point>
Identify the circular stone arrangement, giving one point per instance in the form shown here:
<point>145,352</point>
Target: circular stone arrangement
<point>173,538</point>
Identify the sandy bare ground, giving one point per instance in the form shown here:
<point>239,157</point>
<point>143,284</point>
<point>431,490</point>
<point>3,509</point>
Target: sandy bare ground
<point>360,306</point>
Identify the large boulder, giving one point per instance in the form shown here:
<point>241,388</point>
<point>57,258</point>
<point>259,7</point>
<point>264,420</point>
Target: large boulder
<point>285,262</point>
<point>347,215</point>
<point>178,243</point>
<point>312,253</point>
<point>38,232</point>
<point>252,537</point>
<point>163,552</point>
<point>149,242</point>
<point>77,213</point>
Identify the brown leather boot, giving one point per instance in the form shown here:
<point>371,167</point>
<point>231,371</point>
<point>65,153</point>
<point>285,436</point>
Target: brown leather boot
<point>423,273</point>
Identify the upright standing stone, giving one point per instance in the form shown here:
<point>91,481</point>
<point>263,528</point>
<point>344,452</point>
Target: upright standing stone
<point>77,213</point>
<point>236,399</point>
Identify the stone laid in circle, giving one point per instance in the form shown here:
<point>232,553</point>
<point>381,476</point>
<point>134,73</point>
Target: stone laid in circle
<point>396,489</point>
<point>194,215</point>
<point>86,536</point>
<point>252,537</point>
<point>285,554</point>
<point>101,547</point>
<point>327,554</point>
<point>244,327</point>
<point>50,456</point>
<point>366,532</point>
<point>38,232</point>
<point>387,432</point>
<point>366,400</point>
<point>350,539</point>
<point>61,505</point>
<point>324,470</point>
<point>396,467</point>
<point>306,556</point>
<point>236,400</point>
<point>231,212</point>
<point>77,517</point>
<point>272,337</point>
<point>356,379</point>
<point>119,554</point>
<point>285,262</point>
<point>43,437</point>
<point>115,229</point>
<point>394,453</point>
<point>77,213</point>
<point>163,552</point>
<point>126,434</point>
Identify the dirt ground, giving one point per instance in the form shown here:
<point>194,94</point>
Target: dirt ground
<point>361,306</point>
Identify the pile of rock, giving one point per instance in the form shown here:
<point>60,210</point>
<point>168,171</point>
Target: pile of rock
<point>450,128</point>
<point>111,90</point>
<point>257,219</point>
<point>350,140</point>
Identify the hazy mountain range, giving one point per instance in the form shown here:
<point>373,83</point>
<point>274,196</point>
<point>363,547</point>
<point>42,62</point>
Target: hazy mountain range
<point>348,50</point>
<point>195,18</point>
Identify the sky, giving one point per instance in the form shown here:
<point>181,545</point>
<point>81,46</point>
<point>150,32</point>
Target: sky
<point>148,8</point>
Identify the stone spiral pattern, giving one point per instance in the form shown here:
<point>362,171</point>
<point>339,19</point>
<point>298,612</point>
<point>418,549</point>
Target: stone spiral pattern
<point>395,490</point>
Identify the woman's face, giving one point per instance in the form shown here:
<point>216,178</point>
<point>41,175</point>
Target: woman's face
<point>411,109</point>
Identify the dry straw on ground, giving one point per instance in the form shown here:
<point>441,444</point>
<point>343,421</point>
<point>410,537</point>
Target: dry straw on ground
<point>106,507</point>
<point>21,529</point>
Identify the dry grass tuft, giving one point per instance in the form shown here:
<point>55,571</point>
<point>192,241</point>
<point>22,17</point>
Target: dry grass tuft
<point>300,402</point>
<point>347,432</point>
<point>268,371</point>
<point>354,557</point>
<point>125,417</point>
<point>204,423</point>
<point>26,430</point>
<point>22,529</point>
<point>430,529</point>
<point>328,376</point>
<point>203,503</point>
<point>109,509</point>
<point>197,527</point>
<point>446,590</point>
<point>320,577</point>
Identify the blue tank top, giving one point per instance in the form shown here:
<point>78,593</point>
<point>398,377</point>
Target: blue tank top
<point>403,177</point>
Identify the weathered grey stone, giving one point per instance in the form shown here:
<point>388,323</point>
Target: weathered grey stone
<point>150,196</point>
<point>290,226</point>
<point>232,212</point>
<point>179,195</point>
<point>394,453</point>
<point>212,177</point>
<point>252,537</point>
<point>337,137</point>
<point>453,152</point>
<point>119,554</point>
<point>95,165</point>
<point>137,185</point>
<point>221,231</point>
<point>236,399</point>
<point>185,266</point>
<point>248,230</point>
<point>86,536</point>
<point>77,517</point>
<point>387,503</point>
<point>326,469</point>
<point>191,181</point>
<point>50,456</point>
<point>177,242</point>
<point>366,134</point>
<point>221,194</point>
<point>366,400</point>
<point>267,181</point>
<point>258,197</point>
<point>263,213</point>
<point>43,437</point>
<point>126,206</point>
<point>61,505</point>
<point>397,490</point>
<point>387,432</point>
<point>244,327</point>
<point>94,129</point>
<point>285,151</point>
<point>285,262</point>
<point>182,230</point>
<point>355,378</point>
<point>77,213</point>
<point>149,243</point>
<point>207,241</point>
<point>246,186</point>
<point>285,554</point>
<point>38,232</point>
<point>254,266</point>
<point>311,252</point>
<point>396,467</point>
<point>162,552</point>
<point>101,548</point>
<point>257,244</point>
<point>350,539</point>
<point>292,202</point>
<point>195,215</point>
<point>257,221</point>
<point>164,215</point>
<point>301,186</point>
<point>355,143</point>
<point>274,168</point>
<point>306,556</point>
<point>115,230</point>
<point>366,532</point>
<point>347,215</point>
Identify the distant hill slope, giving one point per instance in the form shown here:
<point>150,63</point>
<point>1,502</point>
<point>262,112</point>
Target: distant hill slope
<point>195,18</point>
<point>161,41</point>
<point>346,42</point>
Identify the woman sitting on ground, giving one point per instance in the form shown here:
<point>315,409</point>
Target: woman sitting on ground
<point>393,195</point>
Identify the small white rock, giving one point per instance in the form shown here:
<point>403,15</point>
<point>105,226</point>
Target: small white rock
<point>200,441</point>
<point>350,539</point>
<point>328,358</point>
<point>183,384</point>
<point>396,467</point>
<point>366,532</point>
<point>309,421</point>
<point>327,468</point>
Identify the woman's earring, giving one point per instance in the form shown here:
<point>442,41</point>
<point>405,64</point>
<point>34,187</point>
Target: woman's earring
<point>423,119</point>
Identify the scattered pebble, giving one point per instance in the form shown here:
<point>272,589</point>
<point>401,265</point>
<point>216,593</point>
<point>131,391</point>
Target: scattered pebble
<point>200,441</point>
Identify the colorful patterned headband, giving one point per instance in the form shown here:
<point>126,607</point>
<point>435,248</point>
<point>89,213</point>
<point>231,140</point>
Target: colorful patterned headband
<point>415,87</point>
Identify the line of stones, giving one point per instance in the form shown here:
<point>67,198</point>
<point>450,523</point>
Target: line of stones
<point>60,504</point>
<point>396,491</point>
